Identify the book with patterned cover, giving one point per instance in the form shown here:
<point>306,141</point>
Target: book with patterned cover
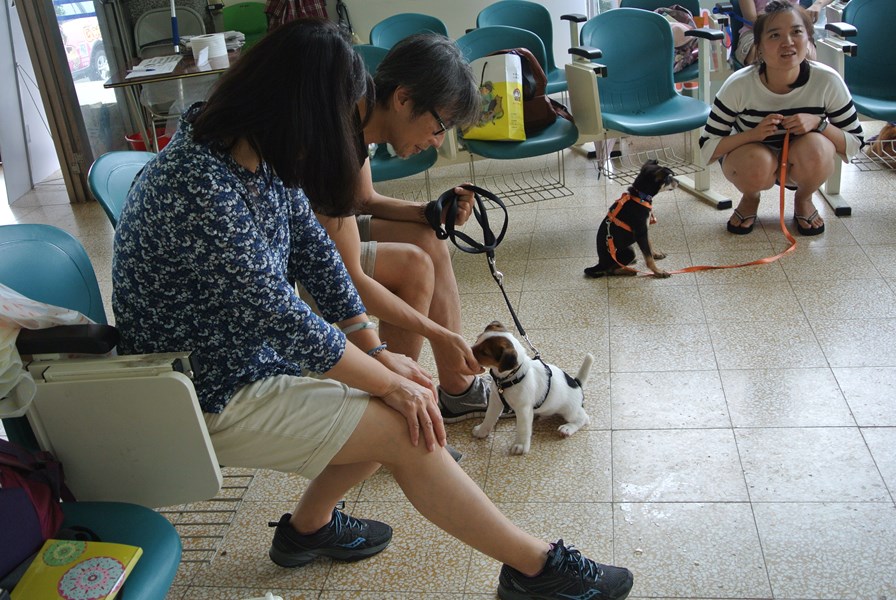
<point>77,570</point>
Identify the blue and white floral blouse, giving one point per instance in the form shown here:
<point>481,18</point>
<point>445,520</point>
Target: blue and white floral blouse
<point>206,254</point>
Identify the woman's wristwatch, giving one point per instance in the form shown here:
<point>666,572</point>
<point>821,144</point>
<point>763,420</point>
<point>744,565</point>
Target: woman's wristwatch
<point>822,124</point>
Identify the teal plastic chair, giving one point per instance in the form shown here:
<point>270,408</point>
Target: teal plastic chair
<point>531,17</point>
<point>638,95</point>
<point>110,178</point>
<point>618,88</point>
<point>869,73</point>
<point>560,135</point>
<point>47,264</point>
<point>383,166</point>
<point>248,18</point>
<point>392,30</point>
<point>690,72</point>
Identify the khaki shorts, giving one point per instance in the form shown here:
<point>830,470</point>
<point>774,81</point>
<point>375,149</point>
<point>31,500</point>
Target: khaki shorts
<point>368,246</point>
<point>286,423</point>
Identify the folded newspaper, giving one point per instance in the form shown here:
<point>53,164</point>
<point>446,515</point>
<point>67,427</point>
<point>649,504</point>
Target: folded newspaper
<point>232,39</point>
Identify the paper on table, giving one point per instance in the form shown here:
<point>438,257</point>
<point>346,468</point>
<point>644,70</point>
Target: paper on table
<point>157,65</point>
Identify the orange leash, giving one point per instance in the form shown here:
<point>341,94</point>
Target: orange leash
<point>762,261</point>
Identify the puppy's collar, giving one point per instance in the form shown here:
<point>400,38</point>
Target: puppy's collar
<point>502,383</point>
<point>642,198</point>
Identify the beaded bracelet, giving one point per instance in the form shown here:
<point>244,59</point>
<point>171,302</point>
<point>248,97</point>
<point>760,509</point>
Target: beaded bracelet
<point>358,327</point>
<point>377,350</point>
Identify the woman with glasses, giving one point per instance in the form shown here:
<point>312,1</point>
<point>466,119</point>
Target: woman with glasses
<point>403,272</point>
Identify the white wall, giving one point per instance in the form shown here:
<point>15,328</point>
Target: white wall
<point>458,16</point>
<point>29,155</point>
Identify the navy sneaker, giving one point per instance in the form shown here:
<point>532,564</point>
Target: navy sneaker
<point>343,538</point>
<point>566,575</point>
<point>469,404</point>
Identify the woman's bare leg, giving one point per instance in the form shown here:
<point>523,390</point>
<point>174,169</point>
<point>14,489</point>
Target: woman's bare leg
<point>432,481</point>
<point>445,306</point>
<point>406,271</point>
<point>810,162</point>
<point>751,168</point>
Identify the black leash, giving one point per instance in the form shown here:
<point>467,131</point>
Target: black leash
<point>447,204</point>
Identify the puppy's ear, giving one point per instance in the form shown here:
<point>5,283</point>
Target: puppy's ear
<point>486,352</point>
<point>495,326</point>
<point>668,177</point>
<point>507,356</point>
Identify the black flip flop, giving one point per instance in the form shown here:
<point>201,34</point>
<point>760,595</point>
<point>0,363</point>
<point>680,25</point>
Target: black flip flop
<point>739,229</point>
<point>808,231</point>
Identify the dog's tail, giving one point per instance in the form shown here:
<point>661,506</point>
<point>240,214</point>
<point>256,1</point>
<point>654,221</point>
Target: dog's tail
<point>582,376</point>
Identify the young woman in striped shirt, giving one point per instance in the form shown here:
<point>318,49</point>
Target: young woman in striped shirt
<point>782,93</point>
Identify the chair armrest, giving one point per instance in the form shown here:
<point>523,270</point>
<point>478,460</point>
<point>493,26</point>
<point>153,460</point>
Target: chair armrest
<point>68,339</point>
<point>588,52</point>
<point>721,13</point>
<point>843,30</point>
<point>575,18</point>
<point>705,33</point>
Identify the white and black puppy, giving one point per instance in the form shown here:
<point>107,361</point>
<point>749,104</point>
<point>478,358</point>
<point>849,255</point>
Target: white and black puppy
<point>626,224</point>
<point>529,386</point>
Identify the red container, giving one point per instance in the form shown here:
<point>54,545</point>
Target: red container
<point>135,141</point>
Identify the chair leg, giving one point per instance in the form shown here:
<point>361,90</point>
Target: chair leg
<point>830,191</point>
<point>832,52</point>
<point>698,185</point>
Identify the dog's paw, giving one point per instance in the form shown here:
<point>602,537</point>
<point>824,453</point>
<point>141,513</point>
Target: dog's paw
<point>567,429</point>
<point>480,431</point>
<point>518,449</point>
<point>659,255</point>
<point>662,274</point>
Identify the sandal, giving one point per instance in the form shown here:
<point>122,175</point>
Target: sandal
<point>808,230</point>
<point>741,229</point>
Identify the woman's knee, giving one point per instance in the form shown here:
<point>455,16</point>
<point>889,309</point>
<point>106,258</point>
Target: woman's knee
<point>424,237</point>
<point>811,159</point>
<point>750,168</point>
<point>382,436</point>
<point>408,269</point>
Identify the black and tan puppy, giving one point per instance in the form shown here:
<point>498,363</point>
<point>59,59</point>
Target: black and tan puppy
<point>627,222</point>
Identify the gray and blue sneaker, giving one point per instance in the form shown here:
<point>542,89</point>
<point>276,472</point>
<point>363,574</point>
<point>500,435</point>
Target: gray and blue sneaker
<point>469,404</point>
<point>567,574</point>
<point>343,538</point>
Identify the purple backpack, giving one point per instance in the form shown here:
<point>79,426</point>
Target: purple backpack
<point>31,486</point>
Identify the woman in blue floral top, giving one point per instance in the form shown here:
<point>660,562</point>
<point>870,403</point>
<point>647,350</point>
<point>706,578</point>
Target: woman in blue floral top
<point>216,232</point>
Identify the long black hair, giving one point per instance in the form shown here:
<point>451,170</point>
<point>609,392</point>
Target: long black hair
<point>293,98</point>
<point>776,7</point>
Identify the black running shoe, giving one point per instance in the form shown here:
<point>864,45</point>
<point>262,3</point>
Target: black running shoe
<point>567,575</point>
<point>343,538</point>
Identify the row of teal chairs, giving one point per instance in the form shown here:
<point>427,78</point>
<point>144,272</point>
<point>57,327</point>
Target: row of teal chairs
<point>523,14</point>
<point>521,23</point>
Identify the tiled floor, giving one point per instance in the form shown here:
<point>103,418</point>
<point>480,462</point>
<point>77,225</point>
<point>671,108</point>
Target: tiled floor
<point>743,422</point>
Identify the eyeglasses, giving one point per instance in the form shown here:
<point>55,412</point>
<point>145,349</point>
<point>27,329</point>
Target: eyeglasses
<point>442,127</point>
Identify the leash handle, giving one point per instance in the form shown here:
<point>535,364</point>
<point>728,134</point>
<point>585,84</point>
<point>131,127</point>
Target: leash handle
<point>447,204</point>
